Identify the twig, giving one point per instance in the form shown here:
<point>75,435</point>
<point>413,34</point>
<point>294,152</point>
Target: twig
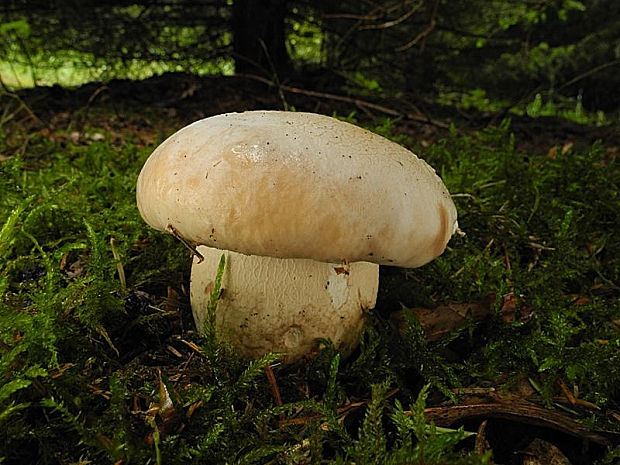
<point>94,95</point>
<point>396,21</point>
<point>588,73</point>
<point>23,105</point>
<point>460,270</point>
<point>192,248</point>
<point>273,384</point>
<point>119,264</point>
<point>579,402</point>
<point>369,17</point>
<point>343,98</point>
<point>102,331</point>
<point>382,11</point>
<point>274,73</point>
<point>193,346</point>
<point>506,257</point>
<point>423,34</point>
<point>417,38</point>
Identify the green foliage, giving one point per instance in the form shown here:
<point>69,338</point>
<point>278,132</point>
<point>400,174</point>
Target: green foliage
<point>86,41</point>
<point>305,38</point>
<point>416,441</point>
<point>566,50</point>
<point>80,378</point>
<point>611,457</point>
<point>426,358</point>
<point>20,28</point>
<point>62,301</point>
<point>432,441</point>
<point>473,99</point>
<point>566,108</point>
<point>209,329</point>
<point>372,448</point>
<point>553,217</point>
<point>491,54</point>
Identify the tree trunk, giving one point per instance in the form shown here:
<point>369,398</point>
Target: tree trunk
<point>259,36</point>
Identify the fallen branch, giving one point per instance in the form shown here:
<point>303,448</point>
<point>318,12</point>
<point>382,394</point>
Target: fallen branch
<point>522,413</point>
<point>364,104</point>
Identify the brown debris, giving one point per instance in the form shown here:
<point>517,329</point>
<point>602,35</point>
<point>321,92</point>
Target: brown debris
<point>446,317</point>
<point>273,384</point>
<point>481,445</point>
<point>541,452</point>
<point>520,412</point>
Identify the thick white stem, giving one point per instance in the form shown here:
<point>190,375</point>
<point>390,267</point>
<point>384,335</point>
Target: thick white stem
<point>284,305</point>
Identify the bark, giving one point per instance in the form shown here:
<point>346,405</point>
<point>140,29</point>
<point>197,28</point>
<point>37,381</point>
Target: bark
<point>259,36</point>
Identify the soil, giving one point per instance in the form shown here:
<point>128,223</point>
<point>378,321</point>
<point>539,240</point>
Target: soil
<point>172,100</point>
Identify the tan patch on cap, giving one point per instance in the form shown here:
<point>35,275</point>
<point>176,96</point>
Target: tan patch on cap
<point>439,244</point>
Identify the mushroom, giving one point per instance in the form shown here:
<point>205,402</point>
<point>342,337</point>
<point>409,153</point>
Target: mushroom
<point>305,208</point>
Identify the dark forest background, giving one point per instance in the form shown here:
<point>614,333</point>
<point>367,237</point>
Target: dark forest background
<point>554,56</point>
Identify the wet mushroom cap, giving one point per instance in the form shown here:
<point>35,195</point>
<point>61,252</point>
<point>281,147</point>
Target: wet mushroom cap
<point>296,185</point>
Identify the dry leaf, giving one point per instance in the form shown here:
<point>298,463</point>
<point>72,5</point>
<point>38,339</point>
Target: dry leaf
<point>172,302</point>
<point>541,452</point>
<point>481,445</point>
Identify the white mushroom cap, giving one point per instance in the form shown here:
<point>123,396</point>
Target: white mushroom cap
<point>289,197</point>
<point>296,185</point>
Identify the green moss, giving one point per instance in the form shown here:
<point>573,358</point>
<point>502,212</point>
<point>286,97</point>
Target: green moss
<point>84,352</point>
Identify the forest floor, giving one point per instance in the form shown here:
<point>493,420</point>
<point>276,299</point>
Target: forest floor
<point>513,334</point>
<point>167,102</point>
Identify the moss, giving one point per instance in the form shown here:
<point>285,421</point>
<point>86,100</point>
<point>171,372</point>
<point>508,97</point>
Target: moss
<point>85,352</point>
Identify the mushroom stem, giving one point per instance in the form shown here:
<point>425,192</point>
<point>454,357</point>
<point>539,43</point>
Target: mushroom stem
<point>283,305</point>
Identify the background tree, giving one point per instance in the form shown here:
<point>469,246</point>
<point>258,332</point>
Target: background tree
<point>512,50</point>
<point>489,54</point>
<point>259,36</point>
